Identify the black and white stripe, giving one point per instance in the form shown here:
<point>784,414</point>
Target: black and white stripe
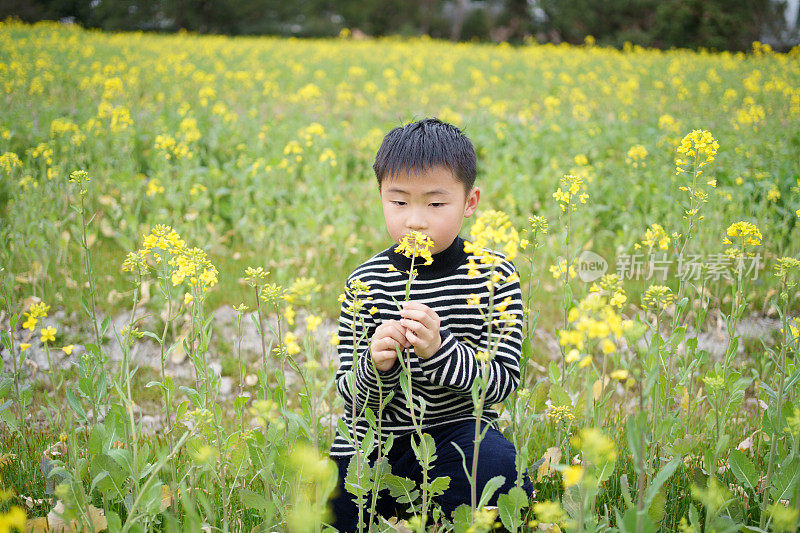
<point>443,381</point>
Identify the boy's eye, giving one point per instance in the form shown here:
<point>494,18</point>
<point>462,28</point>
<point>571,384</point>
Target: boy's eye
<point>398,202</point>
<point>437,204</point>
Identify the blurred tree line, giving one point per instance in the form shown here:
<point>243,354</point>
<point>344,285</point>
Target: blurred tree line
<point>717,24</point>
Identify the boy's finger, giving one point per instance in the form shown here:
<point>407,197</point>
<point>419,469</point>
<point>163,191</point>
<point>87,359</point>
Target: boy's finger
<point>413,325</point>
<point>416,306</point>
<point>397,332</point>
<point>390,343</point>
<point>420,317</point>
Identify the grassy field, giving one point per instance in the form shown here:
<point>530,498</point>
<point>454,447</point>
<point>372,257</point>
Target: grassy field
<point>660,402</point>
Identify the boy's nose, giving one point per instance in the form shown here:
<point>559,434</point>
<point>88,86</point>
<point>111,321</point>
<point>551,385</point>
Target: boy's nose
<point>416,222</point>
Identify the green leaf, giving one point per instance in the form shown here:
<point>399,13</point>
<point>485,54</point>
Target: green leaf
<point>489,489</point>
<point>425,450</point>
<point>253,500</point>
<point>538,397</point>
<point>559,395</point>
<point>7,416</point>
<point>104,326</point>
<point>462,518</point>
<point>404,490</point>
<point>510,505</point>
<point>5,339</point>
<point>743,469</point>
<point>629,522</point>
<point>5,385</point>
<point>438,486</point>
<point>75,403</point>
<point>527,349</point>
<point>659,479</point>
<point>784,480</point>
<point>625,490</point>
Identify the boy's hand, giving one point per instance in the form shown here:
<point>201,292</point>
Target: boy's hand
<point>386,338</point>
<point>421,324</point>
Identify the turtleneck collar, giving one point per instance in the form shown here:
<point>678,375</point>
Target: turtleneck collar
<point>443,262</point>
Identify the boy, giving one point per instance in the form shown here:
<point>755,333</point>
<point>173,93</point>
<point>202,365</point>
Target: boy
<point>426,174</point>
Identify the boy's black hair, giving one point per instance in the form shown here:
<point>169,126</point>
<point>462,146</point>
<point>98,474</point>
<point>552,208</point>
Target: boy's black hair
<point>419,146</point>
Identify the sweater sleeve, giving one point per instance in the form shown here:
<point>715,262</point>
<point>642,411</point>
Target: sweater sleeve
<point>456,365</point>
<point>356,327</point>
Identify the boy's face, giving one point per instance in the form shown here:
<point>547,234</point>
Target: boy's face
<point>433,202</point>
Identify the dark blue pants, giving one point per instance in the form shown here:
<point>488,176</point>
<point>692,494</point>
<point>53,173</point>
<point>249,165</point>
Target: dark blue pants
<point>496,457</point>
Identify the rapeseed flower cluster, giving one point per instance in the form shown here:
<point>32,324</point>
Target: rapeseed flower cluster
<point>492,230</point>
<point>699,145</point>
<point>354,297</point>
<point>9,161</point>
<point>35,312</point>
<point>172,149</point>
<point>192,264</point>
<point>786,266</point>
<point>658,296</point>
<point>560,269</point>
<point>655,235</point>
<point>81,178</point>
<point>611,285</point>
<point>255,276</point>
<point>636,156</point>
<point>572,186</point>
<point>558,413</point>
<point>746,235</point>
<point>416,244</point>
<point>593,322</point>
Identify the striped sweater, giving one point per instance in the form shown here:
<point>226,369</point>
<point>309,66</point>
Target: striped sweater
<point>444,380</point>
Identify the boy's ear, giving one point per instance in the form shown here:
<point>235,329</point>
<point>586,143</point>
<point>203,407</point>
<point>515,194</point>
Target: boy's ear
<point>473,198</point>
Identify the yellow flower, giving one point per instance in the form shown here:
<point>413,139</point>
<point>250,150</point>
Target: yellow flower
<point>15,518</point>
<point>658,295</point>
<point>501,307</point>
<point>608,346</point>
<point>636,153</point>
<point>39,310</point>
<point>656,236</point>
<point>473,299</point>
<point>48,334</point>
<point>572,475</point>
<point>572,356</point>
<point>748,231</point>
<point>492,230</point>
<point>187,298</point>
<point>416,244</point>
<point>289,313</point>
<point>24,346</point>
<point>560,268</point>
<point>560,412</point>
<point>154,187</point>
<point>68,349</point>
<point>699,144</point>
<point>30,323</point>
<point>313,322</point>
<point>290,340</point>
<point>620,374</point>
<point>572,186</point>
<point>373,310</point>
<point>548,512</point>
<point>586,361</point>
<point>334,340</point>
<point>482,356</point>
<point>619,299</point>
